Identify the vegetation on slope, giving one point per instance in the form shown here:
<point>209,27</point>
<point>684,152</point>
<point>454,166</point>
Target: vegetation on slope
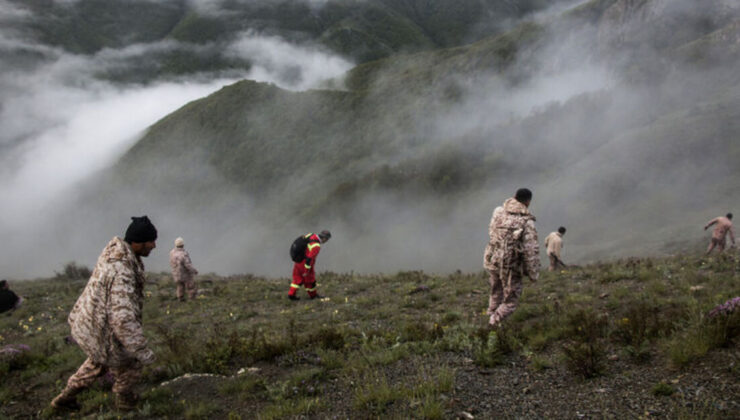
<point>611,339</point>
<point>362,30</point>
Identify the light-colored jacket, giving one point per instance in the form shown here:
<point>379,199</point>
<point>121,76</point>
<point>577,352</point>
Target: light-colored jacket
<point>182,268</point>
<point>554,243</point>
<point>106,320</point>
<point>513,245</point>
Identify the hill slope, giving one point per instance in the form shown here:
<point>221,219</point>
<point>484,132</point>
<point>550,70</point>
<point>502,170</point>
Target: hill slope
<point>616,339</point>
<point>628,149</point>
<point>360,30</point>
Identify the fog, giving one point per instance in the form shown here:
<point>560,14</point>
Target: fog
<point>630,159</point>
<point>632,169</point>
<point>60,123</point>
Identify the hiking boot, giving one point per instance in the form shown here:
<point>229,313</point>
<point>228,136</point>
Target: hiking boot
<point>65,401</point>
<point>293,297</point>
<point>317,296</point>
<point>126,402</point>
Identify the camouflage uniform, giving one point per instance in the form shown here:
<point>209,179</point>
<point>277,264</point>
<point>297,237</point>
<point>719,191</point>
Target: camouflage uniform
<point>722,228</point>
<point>106,323</point>
<point>183,272</point>
<point>512,252</point>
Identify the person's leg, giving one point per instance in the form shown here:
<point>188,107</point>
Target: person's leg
<point>512,292</point>
<point>126,378</point>
<point>180,290</point>
<point>553,262</point>
<point>298,271</point>
<point>721,245</point>
<point>192,289</point>
<point>310,284</point>
<point>712,243</point>
<point>83,378</point>
<point>496,295</point>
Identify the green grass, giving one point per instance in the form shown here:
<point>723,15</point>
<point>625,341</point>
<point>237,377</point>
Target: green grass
<point>387,360</point>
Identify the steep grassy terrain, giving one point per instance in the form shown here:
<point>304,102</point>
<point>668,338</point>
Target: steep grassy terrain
<point>616,339</point>
<point>410,130</point>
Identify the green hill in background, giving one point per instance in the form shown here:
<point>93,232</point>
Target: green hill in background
<point>361,30</point>
<point>631,147</point>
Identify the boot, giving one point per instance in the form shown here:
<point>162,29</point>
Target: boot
<point>67,400</point>
<point>126,402</point>
<point>293,297</point>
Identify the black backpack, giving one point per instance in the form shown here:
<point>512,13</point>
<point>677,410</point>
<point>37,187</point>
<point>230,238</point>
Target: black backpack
<point>298,248</point>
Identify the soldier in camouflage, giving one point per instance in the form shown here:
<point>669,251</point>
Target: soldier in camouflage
<point>106,320</point>
<point>183,270</point>
<point>722,226</point>
<point>511,253</point>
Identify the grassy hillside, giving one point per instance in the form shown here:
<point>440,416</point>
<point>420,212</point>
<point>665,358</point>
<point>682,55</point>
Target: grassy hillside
<point>426,144</point>
<point>361,30</point>
<point>616,339</point>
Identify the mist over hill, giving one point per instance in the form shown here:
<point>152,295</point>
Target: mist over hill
<point>622,117</point>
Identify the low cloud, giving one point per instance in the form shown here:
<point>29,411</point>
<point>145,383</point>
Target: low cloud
<point>291,66</point>
<point>61,122</point>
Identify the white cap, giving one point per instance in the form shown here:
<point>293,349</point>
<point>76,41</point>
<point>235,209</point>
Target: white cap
<point>179,242</point>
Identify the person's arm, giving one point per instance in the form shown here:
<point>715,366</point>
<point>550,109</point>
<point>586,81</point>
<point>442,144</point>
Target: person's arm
<point>312,251</point>
<point>711,222</point>
<point>732,235</point>
<point>19,301</point>
<point>126,328</point>
<point>531,251</point>
<point>189,264</point>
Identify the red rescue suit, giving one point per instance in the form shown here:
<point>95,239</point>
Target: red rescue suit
<point>303,272</point>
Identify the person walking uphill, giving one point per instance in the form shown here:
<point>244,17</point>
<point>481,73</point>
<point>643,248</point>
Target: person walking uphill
<point>303,252</point>
<point>106,320</point>
<point>182,270</point>
<point>554,243</point>
<point>724,226</point>
<point>511,253</point>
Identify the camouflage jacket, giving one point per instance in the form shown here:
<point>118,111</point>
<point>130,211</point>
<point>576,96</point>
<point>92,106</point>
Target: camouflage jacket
<point>106,320</point>
<point>513,241</point>
<point>182,268</point>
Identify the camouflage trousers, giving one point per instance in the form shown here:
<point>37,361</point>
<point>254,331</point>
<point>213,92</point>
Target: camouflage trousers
<point>125,377</point>
<point>186,285</point>
<point>505,293</point>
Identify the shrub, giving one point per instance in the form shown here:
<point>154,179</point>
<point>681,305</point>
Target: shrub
<point>327,338</point>
<point>74,272</point>
<point>662,389</point>
<point>703,336</point>
<point>584,352</point>
<point>374,393</point>
<point>634,327</point>
<point>202,410</point>
<point>539,364</point>
<point>492,346</point>
<point>419,331</point>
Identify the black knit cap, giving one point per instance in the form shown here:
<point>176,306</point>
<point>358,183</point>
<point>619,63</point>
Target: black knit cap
<point>141,229</point>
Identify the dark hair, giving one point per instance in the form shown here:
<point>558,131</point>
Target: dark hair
<point>561,229</point>
<point>729,215</point>
<point>325,235</point>
<point>523,195</point>
<point>3,284</point>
